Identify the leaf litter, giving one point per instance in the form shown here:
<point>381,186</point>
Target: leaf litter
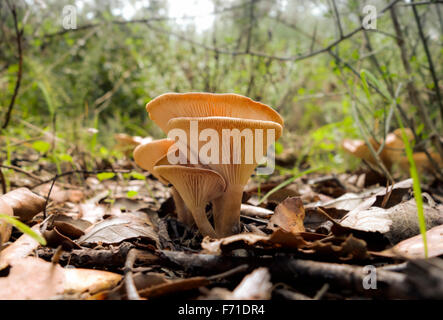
<point>317,232</point>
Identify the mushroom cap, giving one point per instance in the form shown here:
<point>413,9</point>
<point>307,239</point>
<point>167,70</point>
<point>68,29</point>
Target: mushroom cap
<point>146,155</point>
<point>233,173</point>
<point>197,186</point>
<point>198,104</point>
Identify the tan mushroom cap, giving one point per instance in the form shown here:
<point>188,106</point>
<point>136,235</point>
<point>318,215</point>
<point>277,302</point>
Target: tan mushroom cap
<point>233,173</point>
<point>146,155</point>
<point>197,187</point>
<point>198,104</point>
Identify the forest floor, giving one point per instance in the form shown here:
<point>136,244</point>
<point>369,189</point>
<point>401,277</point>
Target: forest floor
<point>113,234</point>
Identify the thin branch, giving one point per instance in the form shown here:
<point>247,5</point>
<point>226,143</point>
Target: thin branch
<point>337,17</point>
<point>414,4</point>
<point>429,57</point>
<point>294,58</point>
<point>19,33</point>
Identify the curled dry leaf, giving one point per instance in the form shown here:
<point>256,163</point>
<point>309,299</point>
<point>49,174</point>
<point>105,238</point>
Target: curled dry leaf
<point>73,228</point>
<point>25,203</point>
<point>254,286</point>
<point>396,223</point>
<point>253,211</point>
<point>278,239</point>
<point>117,229</point>
<point>60,195</point>
<point>153,284</point>
<point>413,248</point>
<point>350,249</point>
<point>55,238</point>
<point>34,278</point>
<point>21,248</point>
<point>289,215</point>
<point>5,228</point>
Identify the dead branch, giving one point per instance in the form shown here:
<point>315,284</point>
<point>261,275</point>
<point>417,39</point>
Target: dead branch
<point>430,62</point>
<point>19,34</point>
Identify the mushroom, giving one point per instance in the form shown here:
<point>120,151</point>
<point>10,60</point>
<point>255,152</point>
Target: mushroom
<point>146,156</point>
<point>202,104</point>
<point>197,186</point>
<point>237,169</point>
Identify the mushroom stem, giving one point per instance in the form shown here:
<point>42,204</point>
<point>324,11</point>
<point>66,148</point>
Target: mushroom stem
<point>227,211</point>
<point>183,214</point>
<point>202,222</point>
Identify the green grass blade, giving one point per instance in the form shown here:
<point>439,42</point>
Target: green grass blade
<point>23,228</point>
<point>287,182</point>
<point>415,184</point>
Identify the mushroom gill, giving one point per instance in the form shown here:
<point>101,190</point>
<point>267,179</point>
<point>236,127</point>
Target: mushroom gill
<point>198,187</point>
<point>146,156</point>
<point>234,156</point>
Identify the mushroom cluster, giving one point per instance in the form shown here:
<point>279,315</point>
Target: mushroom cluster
<point>225,137</point>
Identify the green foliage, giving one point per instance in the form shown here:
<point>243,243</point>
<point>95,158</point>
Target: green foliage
<point>105,176</point>
<point>23,228</point>
<point>41,146</point>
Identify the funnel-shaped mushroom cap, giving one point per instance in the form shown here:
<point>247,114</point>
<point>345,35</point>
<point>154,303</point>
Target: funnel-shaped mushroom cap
<point>197,187</point>
<point>359,149</point>
<point>176,105</point>
<point>240,143</point>
<point>146,155</point>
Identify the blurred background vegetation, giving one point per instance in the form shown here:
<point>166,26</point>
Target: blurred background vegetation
<point>68,91</point>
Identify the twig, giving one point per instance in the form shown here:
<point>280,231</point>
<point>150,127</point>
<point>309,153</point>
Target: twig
<point>29,174</point>
<point>430,62</point>
<point>19,34</point>
<point>238,269</point>
<point>337,17</point>
<point>412,90</point>
<point>131,289</point>
<point>2,176</point>
<point>54,179</point>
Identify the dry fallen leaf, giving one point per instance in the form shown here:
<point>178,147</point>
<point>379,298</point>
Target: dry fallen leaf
<point>396,223</point>
<point>117,229</point>
<point>25,203</point>
<point>21,248</point>
<point>278,239</point>
<point>289,215</point>
<point>5,228</point>
<point>413,248</point>
<point>34,278</point>
<point>254,286</point>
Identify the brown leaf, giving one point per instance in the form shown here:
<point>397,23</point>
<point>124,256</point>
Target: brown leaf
<point>349,249</point>
<point>254,286</point>
<point>54,239</point>
<point>73,228</point>
<point>413,248</point>
<point>80,280</point>
<point>34,278</point>
<point>117,229</point>
<point>25,203</point>
<point>278,239</point>
<point>289,215</point>
<point>5,228</point>
<point>31,278</point>
<point>21,248</point>
<point>396,223</point>
<point>174,286</point>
